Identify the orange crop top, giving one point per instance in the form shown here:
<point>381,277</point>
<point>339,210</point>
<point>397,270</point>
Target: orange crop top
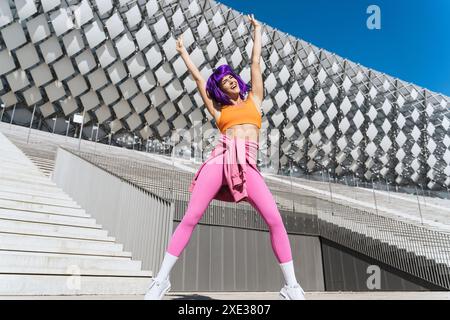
<point>244,112</point>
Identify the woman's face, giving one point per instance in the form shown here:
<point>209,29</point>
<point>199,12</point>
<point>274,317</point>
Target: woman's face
<point>229,85</point>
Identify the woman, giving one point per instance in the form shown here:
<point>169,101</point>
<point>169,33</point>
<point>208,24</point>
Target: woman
<point>230,173</point>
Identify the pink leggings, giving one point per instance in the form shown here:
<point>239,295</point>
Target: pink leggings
<point>208,183</point>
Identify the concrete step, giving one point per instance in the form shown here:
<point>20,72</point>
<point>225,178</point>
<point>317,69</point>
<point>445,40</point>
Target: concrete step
<point>22,242</point>
<point>60,195</point>
<point>59,263</point>
<point>20,184</point>
<point>11,284</point>
<point>21,168</point>
<point>15,158</point>
<point>43,167</point>
<point>78,252</point>
<point>100,237</point>
<point>26,174</point>
<point>43,164</point>
<point>42,157</point>
<point>18,160</point>
<point>74,269</point>
<point>21,215</point>
<point>45,229</point>
<point>22,158</point>
<point>79,214</point>
<point>48,167</point>
<point>11,151</point>
<point>42,161</point>
<point>42,208</point>
<point>46,172</point>
<point>38,200</point>
<point>35,180</point>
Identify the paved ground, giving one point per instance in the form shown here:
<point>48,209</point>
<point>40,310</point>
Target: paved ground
<point>386,295</point>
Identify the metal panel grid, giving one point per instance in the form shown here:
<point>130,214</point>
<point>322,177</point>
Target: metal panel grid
<point>116,60</point>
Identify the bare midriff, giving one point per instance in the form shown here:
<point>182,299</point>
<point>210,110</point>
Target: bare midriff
<point>243,131</point>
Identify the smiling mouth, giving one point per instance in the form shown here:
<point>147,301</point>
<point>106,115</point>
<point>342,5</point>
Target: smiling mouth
<point>233,86</point>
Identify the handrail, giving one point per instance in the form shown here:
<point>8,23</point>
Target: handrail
<point>88,159</point>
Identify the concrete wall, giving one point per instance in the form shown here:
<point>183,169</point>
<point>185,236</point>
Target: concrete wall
<point>219,258</point>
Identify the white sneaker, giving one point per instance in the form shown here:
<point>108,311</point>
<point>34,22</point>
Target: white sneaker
<point>294,292</point>
<point>157,289</point>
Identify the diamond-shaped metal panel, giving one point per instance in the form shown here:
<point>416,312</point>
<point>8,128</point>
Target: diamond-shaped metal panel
<point>117,61</point>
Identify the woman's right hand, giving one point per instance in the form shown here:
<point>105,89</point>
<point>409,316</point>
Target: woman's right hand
<point>179,46</point>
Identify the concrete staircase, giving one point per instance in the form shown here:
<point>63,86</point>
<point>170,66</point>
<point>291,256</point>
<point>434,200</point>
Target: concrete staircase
<point>49,245</point>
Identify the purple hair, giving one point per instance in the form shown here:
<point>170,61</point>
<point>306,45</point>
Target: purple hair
<point>213,88</point>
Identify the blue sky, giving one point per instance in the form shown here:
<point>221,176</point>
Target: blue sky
<point>413,43</point>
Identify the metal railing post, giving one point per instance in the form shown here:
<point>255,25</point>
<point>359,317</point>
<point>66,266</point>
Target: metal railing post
<point>67,129</point>
<point>418,204</point>
<point>12,116</point>
<point>31,123</point>
<point>290,177</point>
<point>331,193</point>
<point>374,198</point>
<point>81,131</point>
<point>54,123</point>
<point>3,111</point>
<point>389,194</point>
<point>423,196</point>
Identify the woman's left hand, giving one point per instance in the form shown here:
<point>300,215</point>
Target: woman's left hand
<point>253,21</point>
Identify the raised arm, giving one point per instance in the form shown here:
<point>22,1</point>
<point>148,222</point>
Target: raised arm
<point>257,81</point>
<point>201,83</point>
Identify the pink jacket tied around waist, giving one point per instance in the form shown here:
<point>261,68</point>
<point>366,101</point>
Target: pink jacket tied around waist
<point>233,154</point>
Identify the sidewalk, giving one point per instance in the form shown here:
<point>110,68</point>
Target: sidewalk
<point>386,295</point>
